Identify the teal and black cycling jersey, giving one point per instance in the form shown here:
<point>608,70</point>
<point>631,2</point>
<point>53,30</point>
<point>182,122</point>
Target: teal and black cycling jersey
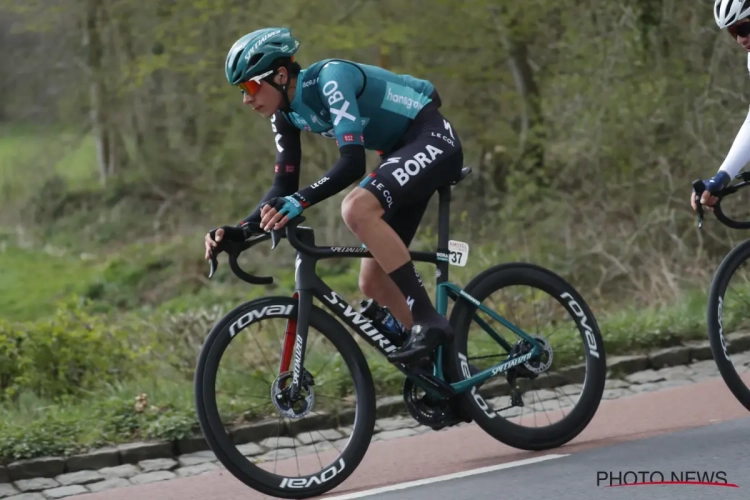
<point>357,103</point>
<point>365,107</point>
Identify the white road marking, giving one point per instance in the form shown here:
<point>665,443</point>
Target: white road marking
<point>447,477</point>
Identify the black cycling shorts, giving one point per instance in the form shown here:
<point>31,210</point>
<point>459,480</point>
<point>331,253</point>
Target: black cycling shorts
<point>428,157</point>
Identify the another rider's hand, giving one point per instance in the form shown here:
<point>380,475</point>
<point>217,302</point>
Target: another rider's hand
<point>707,200</point>
<point>278,211</point>
<point>713,185</point>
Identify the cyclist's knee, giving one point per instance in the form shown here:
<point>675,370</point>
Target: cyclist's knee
<point>359,205</point>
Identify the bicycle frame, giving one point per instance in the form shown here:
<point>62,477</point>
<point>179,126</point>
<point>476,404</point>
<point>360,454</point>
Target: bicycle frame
<point>309,285</point>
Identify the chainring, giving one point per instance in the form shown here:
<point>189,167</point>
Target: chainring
<point>434,413</point>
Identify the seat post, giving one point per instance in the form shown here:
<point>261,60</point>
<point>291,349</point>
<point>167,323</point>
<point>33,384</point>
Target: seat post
<point>444,216</point>
<point>444,213</point>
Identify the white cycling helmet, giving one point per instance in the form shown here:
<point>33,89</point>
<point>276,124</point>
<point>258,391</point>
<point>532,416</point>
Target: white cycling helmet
<point>728,12</point>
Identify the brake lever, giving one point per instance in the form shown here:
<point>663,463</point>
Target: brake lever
<point>214,264</point>
<point>278,234</point>
<point>699,187</point>
<point>275,237</point>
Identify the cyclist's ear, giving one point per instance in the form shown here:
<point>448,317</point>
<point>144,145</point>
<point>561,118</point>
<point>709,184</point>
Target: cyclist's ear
<point>283,76</point>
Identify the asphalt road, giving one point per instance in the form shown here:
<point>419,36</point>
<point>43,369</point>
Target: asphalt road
<point>697,427</point>
<point>718,453</point>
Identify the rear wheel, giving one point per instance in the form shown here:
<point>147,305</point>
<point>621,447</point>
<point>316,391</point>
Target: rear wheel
<point>565,382</point>
<point>337,401</point>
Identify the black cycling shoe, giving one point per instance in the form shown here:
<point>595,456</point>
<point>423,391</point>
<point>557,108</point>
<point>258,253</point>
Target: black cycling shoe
<point>423,339</point>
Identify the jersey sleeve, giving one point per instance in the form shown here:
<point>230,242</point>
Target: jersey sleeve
<point>338,84</point>
<point>739,152</point>
<point>287,167</point>
<point>287,140</point>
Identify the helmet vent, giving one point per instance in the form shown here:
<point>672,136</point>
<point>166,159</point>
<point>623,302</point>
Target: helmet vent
<point>254,60</point>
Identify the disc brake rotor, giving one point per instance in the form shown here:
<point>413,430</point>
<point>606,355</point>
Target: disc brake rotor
<point>302,405</point>
<point>541,362</point>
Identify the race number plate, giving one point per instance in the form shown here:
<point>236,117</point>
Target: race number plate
<point>459,253</point>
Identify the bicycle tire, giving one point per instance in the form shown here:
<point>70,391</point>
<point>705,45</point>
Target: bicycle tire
<point>509,433</point>
<point>719,283</point>
<point>221,443</point>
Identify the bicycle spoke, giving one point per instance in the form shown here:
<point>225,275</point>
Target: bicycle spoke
<point>268,363</point>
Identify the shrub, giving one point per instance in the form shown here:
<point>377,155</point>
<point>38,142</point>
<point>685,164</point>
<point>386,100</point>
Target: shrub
<point>70,352</point>
<point>76,426</point>
<point>50,435</point>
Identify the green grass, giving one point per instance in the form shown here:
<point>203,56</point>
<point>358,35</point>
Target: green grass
<point>31,283</point>
<point>28,155</point>
<point>36,427</point>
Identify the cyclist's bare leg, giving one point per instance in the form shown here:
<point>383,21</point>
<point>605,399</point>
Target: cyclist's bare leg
<point>376,284</point>
<point>362,213</point>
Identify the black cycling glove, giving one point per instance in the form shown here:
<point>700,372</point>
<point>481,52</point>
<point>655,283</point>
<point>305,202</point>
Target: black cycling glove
<point>236,234</point>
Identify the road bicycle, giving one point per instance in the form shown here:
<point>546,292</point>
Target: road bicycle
<point>720,314</point>
<point>440,392</point>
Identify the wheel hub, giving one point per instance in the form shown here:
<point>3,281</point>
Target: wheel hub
<point>542,361</point>
<point>297,407</point>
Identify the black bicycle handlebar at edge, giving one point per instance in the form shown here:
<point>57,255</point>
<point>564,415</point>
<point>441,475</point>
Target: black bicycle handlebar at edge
<point>699,187</point>
<point>291,232</point>
<point>233,250</point>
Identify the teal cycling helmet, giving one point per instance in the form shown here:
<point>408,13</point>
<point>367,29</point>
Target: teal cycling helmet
<point>255,53</point>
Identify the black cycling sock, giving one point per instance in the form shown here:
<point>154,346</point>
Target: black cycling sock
<point>408,281</point>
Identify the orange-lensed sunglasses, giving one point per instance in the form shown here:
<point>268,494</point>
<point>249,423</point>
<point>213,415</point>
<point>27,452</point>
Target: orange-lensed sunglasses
<point>252,86</point>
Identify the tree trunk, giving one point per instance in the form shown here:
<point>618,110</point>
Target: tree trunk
<point>92,41</point>
<point>132,114</point>
<point>530,162</point>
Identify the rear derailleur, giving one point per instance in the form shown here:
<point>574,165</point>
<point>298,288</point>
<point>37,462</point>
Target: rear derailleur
<point>529,370</point>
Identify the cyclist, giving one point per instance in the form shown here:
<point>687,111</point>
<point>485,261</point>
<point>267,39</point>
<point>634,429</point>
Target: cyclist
<point>361,107</point>
<point>734,15</point>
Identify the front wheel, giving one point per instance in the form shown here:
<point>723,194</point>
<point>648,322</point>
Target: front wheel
<point>564,382</point>
<point>730,313</point>
<point>280,445</point>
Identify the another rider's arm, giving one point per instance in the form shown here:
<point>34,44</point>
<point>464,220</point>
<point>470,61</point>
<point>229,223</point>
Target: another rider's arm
<point>737,158</point>
<point>739,153</point>
<point>288,161</point>
<point>338,84</point>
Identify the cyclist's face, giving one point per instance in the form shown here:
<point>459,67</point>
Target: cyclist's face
<point>267,99</point>
<point>741,33</point>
